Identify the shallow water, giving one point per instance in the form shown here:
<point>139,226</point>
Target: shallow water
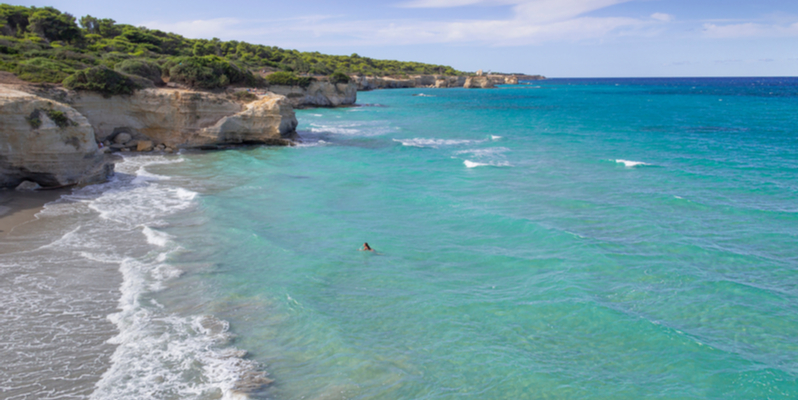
<point>567,239</point>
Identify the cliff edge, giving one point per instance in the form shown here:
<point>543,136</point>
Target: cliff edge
<point>55,137</point>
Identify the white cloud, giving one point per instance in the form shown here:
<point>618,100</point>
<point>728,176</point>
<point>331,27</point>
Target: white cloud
<point>662,17</point>
<point>533,21</point>
<point>749,29</point>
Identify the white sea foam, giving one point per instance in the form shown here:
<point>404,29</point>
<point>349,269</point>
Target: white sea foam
<point>156,238</point>
<point>423,95</point>
<point>311,143</point>
<point>631,164</point>
<point>435,143</point>
<point>159,354</point>
<point>485,152</point>
<point>494,137</point>
<point>334,129</point>
<point>473,164</point>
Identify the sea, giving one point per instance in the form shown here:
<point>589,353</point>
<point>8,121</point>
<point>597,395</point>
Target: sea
<point>556,239</point>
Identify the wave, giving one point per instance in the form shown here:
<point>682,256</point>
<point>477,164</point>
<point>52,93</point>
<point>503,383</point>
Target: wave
<point>631,164</point>
<point>159,353</point>
<point>423,95</point>
<point>495,137</point>
<point>474,164</point>
<point>375,128</point>
<point>487,152</point>
<point>435,143</point>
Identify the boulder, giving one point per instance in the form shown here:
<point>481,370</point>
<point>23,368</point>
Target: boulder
<point>27,186</point>
<point>122,137</point>
<point>34,147</point>
<point>144,145</point>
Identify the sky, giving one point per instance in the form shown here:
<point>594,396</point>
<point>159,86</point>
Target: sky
<point>555,38</point>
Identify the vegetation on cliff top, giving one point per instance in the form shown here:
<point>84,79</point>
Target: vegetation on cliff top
<point>46,45</point>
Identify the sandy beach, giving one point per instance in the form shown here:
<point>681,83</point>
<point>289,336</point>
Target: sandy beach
<point>19,208</point>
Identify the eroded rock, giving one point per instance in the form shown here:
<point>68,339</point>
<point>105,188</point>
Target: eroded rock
<point>46,142</point>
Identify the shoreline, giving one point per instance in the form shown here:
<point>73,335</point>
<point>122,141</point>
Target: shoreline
<point>19,208</point>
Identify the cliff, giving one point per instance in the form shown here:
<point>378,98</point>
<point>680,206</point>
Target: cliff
<point>482,82</point>
<point>46,142</point>
<point>437,81</point>
<point>52,137</point>
<point>318,94</point>
<point>184,118</point>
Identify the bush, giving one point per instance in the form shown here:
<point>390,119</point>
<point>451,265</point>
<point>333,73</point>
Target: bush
<point>143,68</point>
<point>288,79</point>
<point>207,72</point>
<point>58,117</point>
<point>339,77</point>
<point>101,79</point>
<point>41,69</point>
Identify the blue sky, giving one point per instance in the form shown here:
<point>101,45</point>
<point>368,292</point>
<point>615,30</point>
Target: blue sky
<point>556,38</point>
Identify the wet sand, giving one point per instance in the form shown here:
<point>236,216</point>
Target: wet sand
<point>19,208</point>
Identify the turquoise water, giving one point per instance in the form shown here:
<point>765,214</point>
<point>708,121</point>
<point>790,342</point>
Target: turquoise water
<point>598,239</point>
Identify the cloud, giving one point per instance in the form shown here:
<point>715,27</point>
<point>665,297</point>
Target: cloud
<point>749,29</point>
<point>532,22</point>
<point>662,17</point>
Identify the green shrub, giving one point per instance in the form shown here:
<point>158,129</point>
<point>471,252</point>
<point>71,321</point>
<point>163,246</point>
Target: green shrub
<point>101,79</point>
<point>33,120</point>
<point>288,79</point>
<point>41,70</point>
<point>339,77</point>
<point>207,72</point>
<point>143,68</point>
<point>58,117</point>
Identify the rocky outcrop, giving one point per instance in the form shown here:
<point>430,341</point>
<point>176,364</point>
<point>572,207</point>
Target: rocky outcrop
<point>47,142</point>
<point>318,94</point>
<point>428,81</point>
<point>482,82</point>
<point>438,81</point>
<point>267,120</point>
<point>182,118</point>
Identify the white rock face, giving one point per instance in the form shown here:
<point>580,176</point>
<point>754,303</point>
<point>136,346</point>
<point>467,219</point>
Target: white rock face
<point>47,154</point>
<point>432,81</point>
<point>482,82</point>
<point>266,120</point>
<point>318,94</point>
<point>186,118</point>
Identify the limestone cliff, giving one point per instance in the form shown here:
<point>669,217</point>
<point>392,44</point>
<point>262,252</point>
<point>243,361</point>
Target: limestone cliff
<point>318,94</point>
<point>482,82</point>
<point>187,118</point>
<point>46,142</point>
<point>55,143</point>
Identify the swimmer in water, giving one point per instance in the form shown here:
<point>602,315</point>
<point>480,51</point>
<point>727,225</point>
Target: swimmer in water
<point>367,248</point>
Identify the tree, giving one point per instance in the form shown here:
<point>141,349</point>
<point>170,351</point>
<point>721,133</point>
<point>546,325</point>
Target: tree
<point>52,25</point>
<point>90,23</point>
<point>13,19</point>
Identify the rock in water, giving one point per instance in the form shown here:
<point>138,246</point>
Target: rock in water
<point>35,147</point>
<point>27,186</point>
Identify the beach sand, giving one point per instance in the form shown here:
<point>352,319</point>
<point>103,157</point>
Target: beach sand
<point>19,208</point>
